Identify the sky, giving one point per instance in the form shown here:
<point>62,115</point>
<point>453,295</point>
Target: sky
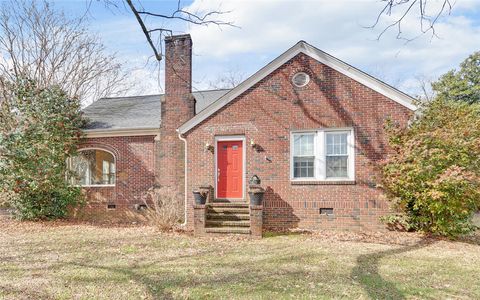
<point>266,28</point>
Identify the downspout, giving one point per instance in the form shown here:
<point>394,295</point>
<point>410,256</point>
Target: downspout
<point>185,173</point>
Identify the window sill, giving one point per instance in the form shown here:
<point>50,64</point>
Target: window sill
<point>322,182</point>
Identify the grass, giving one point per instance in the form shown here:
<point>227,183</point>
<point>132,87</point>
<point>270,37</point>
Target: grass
<point>66,261</point>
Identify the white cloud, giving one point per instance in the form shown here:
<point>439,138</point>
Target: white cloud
<point>338,27</point>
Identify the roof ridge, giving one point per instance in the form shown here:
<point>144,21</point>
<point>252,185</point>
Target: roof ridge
<point>129,97</point>
<point>151,95</point>
<point>212,90</point>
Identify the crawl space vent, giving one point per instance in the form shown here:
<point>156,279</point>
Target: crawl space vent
<point>140,206</point>
<point>326,211</point>
<point>111,206</point>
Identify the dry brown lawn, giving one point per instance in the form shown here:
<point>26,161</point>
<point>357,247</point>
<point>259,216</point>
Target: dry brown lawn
<point>80,261</point>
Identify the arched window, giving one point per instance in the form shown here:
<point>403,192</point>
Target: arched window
<point>93,167</point>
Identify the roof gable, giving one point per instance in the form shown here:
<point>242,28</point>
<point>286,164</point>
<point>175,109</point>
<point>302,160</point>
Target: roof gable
<point>315,53</point>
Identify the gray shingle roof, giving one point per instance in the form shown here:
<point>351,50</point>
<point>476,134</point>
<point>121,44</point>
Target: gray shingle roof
<point>137,112</point>
<point>205,98</point>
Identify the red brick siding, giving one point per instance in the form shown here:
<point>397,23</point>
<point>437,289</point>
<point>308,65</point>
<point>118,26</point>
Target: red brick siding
<point>134,157</point>
<point>269,111</point>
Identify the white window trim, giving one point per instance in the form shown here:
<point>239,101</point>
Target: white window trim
<point>320,154</point>
<point>97,185</point>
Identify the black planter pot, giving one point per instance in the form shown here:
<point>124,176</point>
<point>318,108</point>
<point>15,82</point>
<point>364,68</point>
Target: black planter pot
<point>199,198</point>
<point>256,198</point>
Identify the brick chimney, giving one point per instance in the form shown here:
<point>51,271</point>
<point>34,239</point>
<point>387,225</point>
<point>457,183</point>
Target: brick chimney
<point>178,106</point>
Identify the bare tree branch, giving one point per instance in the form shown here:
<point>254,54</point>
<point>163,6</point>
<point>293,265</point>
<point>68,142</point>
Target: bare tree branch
<point>406,8</point>
<point>158,54</point>
<point>425,85</point>
<point>179,14</point>
<point>41,43</point>
<point>228,80</point>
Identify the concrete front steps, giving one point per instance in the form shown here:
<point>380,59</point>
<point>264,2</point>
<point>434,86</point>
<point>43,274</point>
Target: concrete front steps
<point>227,218</point>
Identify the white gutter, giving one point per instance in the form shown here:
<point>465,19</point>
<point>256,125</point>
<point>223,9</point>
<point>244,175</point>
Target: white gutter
<point>185,172</point>
<point>92,133</point>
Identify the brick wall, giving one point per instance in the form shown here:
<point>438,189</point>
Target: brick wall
<point>269,111</point>
<point>134,158</point>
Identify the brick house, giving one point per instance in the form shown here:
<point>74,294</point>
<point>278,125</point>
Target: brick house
<point>307,124</point>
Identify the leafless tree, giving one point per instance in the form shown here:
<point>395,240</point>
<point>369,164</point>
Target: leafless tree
<point>180,14</point>
<point>39,42</point>
<point>425,85</point>
<point>427,13</point>
<point>230,79</point>
<point>381,72</point>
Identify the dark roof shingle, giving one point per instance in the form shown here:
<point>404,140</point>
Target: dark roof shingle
<point>137,112</point>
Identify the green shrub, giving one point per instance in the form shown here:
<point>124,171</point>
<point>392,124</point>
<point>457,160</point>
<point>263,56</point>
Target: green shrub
<point>40,129</point>
<point>433,174</point>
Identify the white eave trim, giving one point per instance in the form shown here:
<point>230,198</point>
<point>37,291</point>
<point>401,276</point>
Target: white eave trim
<point>324,58</point>
<point>96,133</point>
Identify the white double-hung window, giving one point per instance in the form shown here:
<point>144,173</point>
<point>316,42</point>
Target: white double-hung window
<point>322,155</point>
<point>304,155</point>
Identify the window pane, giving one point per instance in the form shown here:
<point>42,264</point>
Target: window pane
<point>337,166</point>
<point>93,167</point>
<point>337,143</point>
<point>106,172</point>
<point>303,145</point>
<point>303,167</point>
<point>343,143</point>
<point>81,167</point>
<point>112,173</point>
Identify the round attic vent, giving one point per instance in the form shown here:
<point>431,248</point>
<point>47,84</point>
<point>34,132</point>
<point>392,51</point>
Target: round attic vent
<point>300,79</point>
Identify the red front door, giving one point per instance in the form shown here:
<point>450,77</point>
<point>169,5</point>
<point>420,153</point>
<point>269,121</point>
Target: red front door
<point>230,169</point>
